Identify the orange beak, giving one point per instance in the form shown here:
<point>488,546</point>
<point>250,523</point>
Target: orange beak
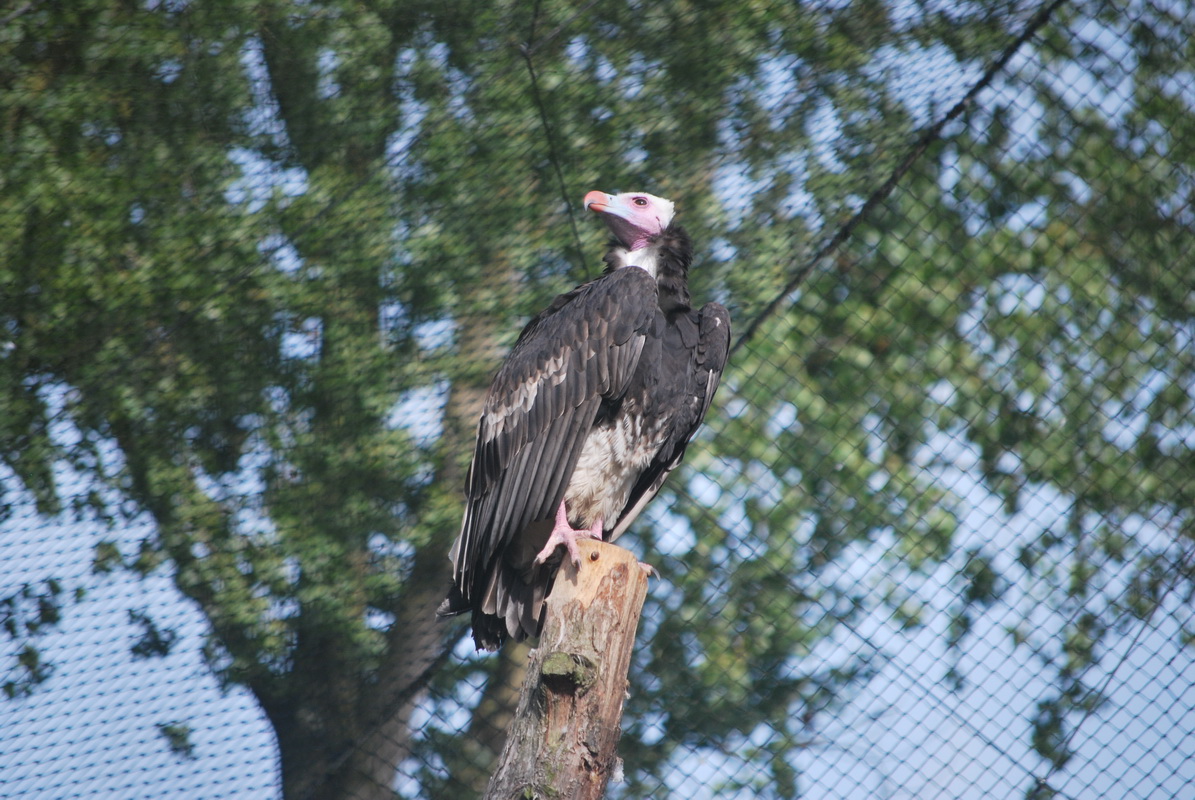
<point>597,202</point>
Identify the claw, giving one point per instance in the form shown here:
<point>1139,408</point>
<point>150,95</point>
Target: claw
<point>565,534</point>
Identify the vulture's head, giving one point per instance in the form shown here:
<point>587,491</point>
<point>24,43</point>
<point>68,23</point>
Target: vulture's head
<point>633,217</point>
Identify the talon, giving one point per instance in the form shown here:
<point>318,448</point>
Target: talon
<point>649,570</point>
<point>565,534</point>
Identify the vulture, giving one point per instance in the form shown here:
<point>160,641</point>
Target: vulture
<point>585,419</point>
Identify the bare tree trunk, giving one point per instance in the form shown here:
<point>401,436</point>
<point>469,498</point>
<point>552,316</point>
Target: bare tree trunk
<point>562,742</point>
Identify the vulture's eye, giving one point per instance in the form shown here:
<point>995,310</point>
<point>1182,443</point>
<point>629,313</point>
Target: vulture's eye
<point>640,201</point>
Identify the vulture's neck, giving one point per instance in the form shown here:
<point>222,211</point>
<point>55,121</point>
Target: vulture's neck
<point>666,258</point>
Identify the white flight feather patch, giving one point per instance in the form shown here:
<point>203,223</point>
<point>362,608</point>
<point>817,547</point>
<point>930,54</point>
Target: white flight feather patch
<point>505,414</point>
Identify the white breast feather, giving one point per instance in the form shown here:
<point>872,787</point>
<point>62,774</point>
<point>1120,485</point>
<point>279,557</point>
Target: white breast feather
<point>645,258</point>
<point>611,460</point>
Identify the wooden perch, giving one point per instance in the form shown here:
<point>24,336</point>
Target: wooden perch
<point>562,741</point>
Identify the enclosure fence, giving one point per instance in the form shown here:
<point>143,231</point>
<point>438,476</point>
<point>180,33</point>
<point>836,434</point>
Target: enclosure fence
<point>258,262</point>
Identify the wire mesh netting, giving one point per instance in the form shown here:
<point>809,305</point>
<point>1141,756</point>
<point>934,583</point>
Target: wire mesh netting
<point>259,261</point>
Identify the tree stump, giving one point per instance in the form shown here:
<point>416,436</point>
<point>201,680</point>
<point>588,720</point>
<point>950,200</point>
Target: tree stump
<point>562,741</point>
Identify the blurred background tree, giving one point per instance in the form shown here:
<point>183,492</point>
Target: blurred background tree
<point>259,259</point>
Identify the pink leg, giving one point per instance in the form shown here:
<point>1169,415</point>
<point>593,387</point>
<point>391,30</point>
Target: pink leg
<point>565,534</point>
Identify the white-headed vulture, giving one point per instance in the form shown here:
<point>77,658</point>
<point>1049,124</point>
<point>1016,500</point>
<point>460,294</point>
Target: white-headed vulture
<point>583,422</point>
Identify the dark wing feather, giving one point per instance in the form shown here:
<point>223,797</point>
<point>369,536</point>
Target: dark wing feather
<point>580,350</point>
<point>710,347</point>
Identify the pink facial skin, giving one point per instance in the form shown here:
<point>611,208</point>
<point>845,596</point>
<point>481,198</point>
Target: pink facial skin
<point>633,217</point>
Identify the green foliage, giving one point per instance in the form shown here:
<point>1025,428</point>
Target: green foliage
<point>24,615</point>
<point>29,671</point>
<point>178,738</point>
<point>154,641</point>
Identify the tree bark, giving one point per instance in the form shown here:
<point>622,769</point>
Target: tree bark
<point>562,741</point>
